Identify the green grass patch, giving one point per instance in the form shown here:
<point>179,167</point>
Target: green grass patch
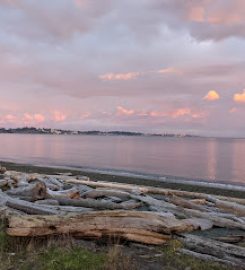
<point>54,259</point>
<point>66,259</point>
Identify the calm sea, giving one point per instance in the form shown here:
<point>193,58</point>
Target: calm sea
<point>220,160</point>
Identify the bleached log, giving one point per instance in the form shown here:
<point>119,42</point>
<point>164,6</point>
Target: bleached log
<point>27,207</point>
<point>231,207</point>
<point>231,239</point>
<point>99,193</point>
<point>90,203</point>
<point>130,204</point>
<point>185,203</point>
<point>199,223</point>
<point>38,178</point>
<point>199,201</point>
<point>47,202</point>
<point>70,209</point>
<point>149,190</point>
<point>30,208</point>
<point>55,182</point>
<point>144,227</point>
<point>31,192</point>
<point>217,221</point>
<point>206,257</point>
<point>72,193</point>
<point>218,249</point>
<point>154,204</point>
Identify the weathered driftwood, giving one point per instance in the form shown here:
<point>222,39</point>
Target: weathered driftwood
<point>70,209</point>
<point>206,257</point>
<point>144,227</point>
<point>217,221</point>
<point>31,192</point>
<point>72,193</point>
<point>199,201</point>
<point>90,203</point>
<point>223,251</point>
<point>154,204</point>
<point>30,208</point>
<point>3,183</point>
<point>231,239</point>
<point>150,190</point>
<point>185,203</point>
<point>55,181</point>
<point>2,170</point>
<point>6,212</point>
<point>24,206</point>
<point>47,202</point>
<point>99,193</point>
<point>232,207</point>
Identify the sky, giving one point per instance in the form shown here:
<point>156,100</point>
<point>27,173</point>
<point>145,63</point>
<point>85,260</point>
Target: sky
<point>154,66</point>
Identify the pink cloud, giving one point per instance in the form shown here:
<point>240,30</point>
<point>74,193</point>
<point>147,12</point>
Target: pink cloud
<point>239,97</point>
<point>181,112</point>
<point>8,118</point>
<point>36,118</point>
<point>59,116</point>
<point>39,118</point>
<point>223,14</point>
<point>197,14</point>
<point>169,70</point>
<point>212,95</point>
<point>123,111</point>
<point>119,76</point>
<point>177,113</point>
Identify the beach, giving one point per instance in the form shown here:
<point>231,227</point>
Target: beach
<point>110,254</point>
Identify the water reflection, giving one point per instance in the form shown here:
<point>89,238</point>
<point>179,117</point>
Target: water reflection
<point>214,159</point>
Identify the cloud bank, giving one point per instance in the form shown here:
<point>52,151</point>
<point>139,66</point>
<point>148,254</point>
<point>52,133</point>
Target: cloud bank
<point>131,65</point>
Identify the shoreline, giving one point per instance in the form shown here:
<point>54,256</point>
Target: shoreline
<point>138,179</point>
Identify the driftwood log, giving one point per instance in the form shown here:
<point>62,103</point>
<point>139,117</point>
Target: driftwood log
<point>222,251</point>
<point>144,227</point>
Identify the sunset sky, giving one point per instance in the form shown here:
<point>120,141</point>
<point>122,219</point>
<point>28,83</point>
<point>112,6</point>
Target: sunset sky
<point>137,65</point>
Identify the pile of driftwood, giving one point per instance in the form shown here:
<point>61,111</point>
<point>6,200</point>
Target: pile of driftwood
<point>41,205</point>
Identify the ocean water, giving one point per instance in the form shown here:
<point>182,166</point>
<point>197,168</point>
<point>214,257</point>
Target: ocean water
<point>215,160</point>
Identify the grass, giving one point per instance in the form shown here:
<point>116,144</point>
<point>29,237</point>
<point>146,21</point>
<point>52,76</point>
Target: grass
<point>63,254</point>
<point>47,254</point>
<point>55,258</point>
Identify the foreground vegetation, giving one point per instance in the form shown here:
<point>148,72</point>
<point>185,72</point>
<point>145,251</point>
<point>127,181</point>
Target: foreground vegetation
<point>66,254</point>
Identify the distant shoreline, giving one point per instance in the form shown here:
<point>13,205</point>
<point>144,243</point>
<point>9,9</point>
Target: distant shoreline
<point>50,131</point>
<point>33,130</point>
